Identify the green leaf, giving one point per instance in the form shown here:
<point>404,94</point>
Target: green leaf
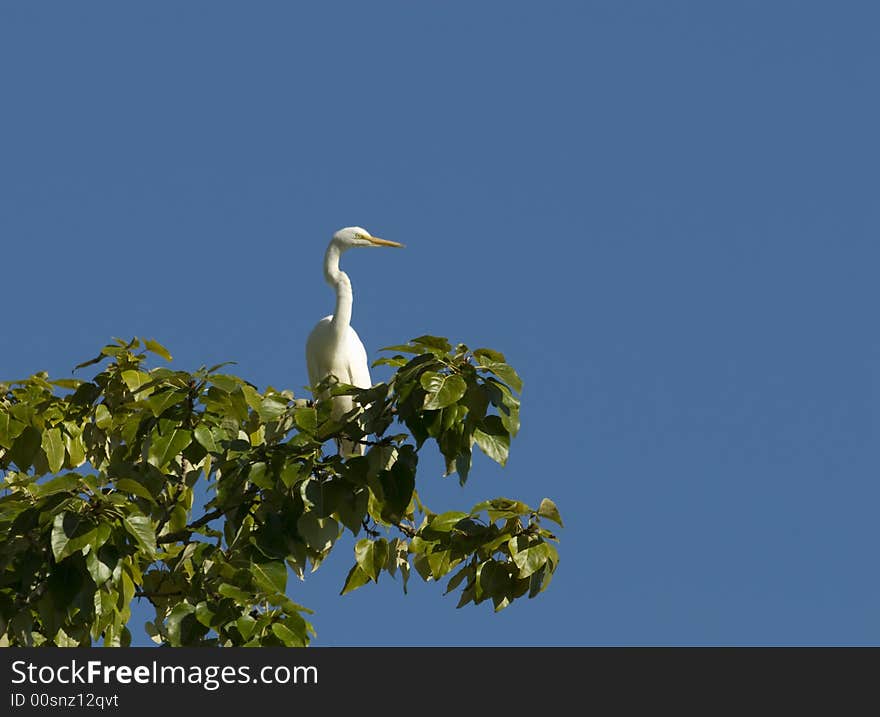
<point>552,556</point>
<point>395,361</point>
<point>141,528</point>
<point>271,407</point>
<point>371,556</point>
<point>445,522</point>
<point>60,484</point>
<point>493,579</point>
<point>164,448</point>
<point>245,625</point>
<point>491,355</point>
<point>528,559</point>
<point>25,447</point>
<point>103,531</point>
<point>157,348</point>
<point>493,439</point>
<point>306,419</point>
<point>100,357</point>
<point>135,379</point>
<point>251,396</point>
<point>292,472</point>
<point>356,578</point>
<point>291,638</point>
<point>476,400</point>
<point>128,485</point>
<point>174,621</point>
<point>260,476</point>
<point>502,370</point>
<point>352,508</point>
<point>437,343</point>
<point>236,593</point>
<point>463,465</point>
<point>439,562</point>
<point>206,439</point>
<point>100,570</point>
<point>399,483</point>
<point>502,508</point>
<point>9,429</point>
<point>71,532</point>
<point>548,509</point>
<point>510,420</point>
<point>70,383</point>
<point>76,451</point>
<point>423,568</point>
<point>218,366</point>
<point>238,402</point>
<point>318,533</point>
<point>271,576</point>
<point>443,390</point>
<point>21,626</point>
<point>204,614</point>
<point>160,402</point>
<point>403,565</point>
<point>177,521</point>
<point>226,382</point>
<point>405,348</point>
<point>456,579</point>
<point>536,581</point>
<point>103,417</point>
<point>54,447</point>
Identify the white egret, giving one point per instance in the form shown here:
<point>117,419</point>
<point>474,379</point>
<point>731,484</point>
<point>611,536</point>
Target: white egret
<point>333,346</point>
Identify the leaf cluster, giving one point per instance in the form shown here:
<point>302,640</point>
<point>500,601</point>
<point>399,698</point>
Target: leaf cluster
<point>456,397</point>
<point>100,482</point>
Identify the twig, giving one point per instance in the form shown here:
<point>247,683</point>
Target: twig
<point>368,530</point>
<point>187,532</point>
<point>407,530</point>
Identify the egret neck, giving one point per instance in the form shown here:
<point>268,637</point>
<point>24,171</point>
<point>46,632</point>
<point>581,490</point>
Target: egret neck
<point>338,279</point>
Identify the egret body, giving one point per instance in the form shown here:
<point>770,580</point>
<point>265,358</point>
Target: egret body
<point>333,346</point>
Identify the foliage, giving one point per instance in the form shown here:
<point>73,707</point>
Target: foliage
<point>99,491</point>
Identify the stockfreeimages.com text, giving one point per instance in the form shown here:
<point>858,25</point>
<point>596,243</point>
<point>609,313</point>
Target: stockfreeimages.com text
<point>211,677</point>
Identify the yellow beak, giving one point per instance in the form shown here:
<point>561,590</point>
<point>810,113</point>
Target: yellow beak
<point>384,242</point>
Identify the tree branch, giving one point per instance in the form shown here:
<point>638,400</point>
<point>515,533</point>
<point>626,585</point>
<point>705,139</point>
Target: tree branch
<point>368,530</point>
<point>408,530</point>
<point>187,532</point>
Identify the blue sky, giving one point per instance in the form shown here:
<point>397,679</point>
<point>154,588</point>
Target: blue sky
<point>665,214</point>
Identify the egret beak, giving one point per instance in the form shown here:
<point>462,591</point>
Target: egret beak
<point>376,241</point>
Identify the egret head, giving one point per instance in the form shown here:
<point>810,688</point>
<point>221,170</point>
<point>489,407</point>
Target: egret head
<point>358,236</point>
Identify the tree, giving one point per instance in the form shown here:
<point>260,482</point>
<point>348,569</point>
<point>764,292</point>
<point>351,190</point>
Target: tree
<point>101,479</point>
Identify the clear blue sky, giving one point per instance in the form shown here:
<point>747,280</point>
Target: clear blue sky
<point>666,215</point>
